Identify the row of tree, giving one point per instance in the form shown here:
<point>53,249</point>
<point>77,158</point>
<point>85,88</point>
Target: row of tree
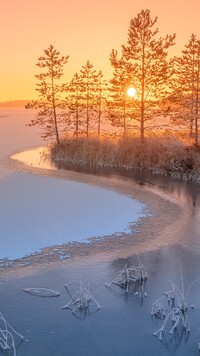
<point>167,87</point>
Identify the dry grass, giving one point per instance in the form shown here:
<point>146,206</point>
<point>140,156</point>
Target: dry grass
<point>165,155</point>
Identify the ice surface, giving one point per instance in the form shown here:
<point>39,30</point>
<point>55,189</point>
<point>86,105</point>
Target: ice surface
<point>37,212</point>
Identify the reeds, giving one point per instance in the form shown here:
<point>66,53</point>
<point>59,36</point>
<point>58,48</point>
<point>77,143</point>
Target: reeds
<point>135,275</point>
<point>176,310</point>
<point>164,155</point>
<point>8,335</point>
<point>81,300</point>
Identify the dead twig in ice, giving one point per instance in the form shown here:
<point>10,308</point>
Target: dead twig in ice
<point>132,275</point>
<point>177,299</point>
<point>7,334</point>
<point>82,300</point>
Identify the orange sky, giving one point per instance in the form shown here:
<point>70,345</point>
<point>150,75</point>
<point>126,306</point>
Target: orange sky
<point>83,29</point>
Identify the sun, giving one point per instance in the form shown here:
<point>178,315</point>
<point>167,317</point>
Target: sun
<point>131,92</point>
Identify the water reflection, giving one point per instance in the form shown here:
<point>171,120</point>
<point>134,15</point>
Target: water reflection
<point>36,157</point>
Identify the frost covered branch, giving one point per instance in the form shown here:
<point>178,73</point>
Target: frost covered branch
<point>7,334</point>
<point>177,300</point>
<point>81,300</point>
<point>132,275</point>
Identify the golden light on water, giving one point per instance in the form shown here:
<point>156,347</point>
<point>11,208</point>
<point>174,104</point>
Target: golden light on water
<point>131,92</point>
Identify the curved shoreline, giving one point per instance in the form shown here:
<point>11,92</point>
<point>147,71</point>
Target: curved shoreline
<point>161,228</point>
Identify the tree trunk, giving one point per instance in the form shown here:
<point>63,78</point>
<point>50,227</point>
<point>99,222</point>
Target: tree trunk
<point>77,114</point>
<point>142,122</point>
<point>196,131</point>
<point>124,118</point>
<point>99,119</point>
<point>142,95</point>
<point>197,102</point>
<point>56,126</point>
<point>54,110</point>
<point>87,111</point>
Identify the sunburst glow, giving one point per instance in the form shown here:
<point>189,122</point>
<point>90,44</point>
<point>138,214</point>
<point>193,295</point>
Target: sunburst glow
<point>131,92</point>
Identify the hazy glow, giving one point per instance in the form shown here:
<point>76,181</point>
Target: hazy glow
<point>82,29</point>
<point>34,158</point>
<point>131,92</point>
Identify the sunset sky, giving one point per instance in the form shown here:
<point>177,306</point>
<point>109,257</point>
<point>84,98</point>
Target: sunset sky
<point>83,29</point>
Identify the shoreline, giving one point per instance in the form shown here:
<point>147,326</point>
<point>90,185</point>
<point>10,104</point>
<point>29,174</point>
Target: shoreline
<point>176,159</point>
<point>164,216</point>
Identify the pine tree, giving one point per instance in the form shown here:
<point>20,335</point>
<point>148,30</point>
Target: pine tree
<point>101,99</point>
<point>89,86</point>
<point>49,104</point>
<point>150,68</point>
<point>74,102</point>
<point>186,86</point>
<point>118,103</point>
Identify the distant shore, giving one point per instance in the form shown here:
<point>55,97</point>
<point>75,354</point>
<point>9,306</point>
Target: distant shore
<point>13,104</point>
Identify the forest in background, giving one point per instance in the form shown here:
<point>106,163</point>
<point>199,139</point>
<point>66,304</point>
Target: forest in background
<point>13,104</point>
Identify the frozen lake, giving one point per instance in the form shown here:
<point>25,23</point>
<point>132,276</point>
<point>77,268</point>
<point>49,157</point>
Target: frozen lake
<point>37,212</point>
<point>123,325</point>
